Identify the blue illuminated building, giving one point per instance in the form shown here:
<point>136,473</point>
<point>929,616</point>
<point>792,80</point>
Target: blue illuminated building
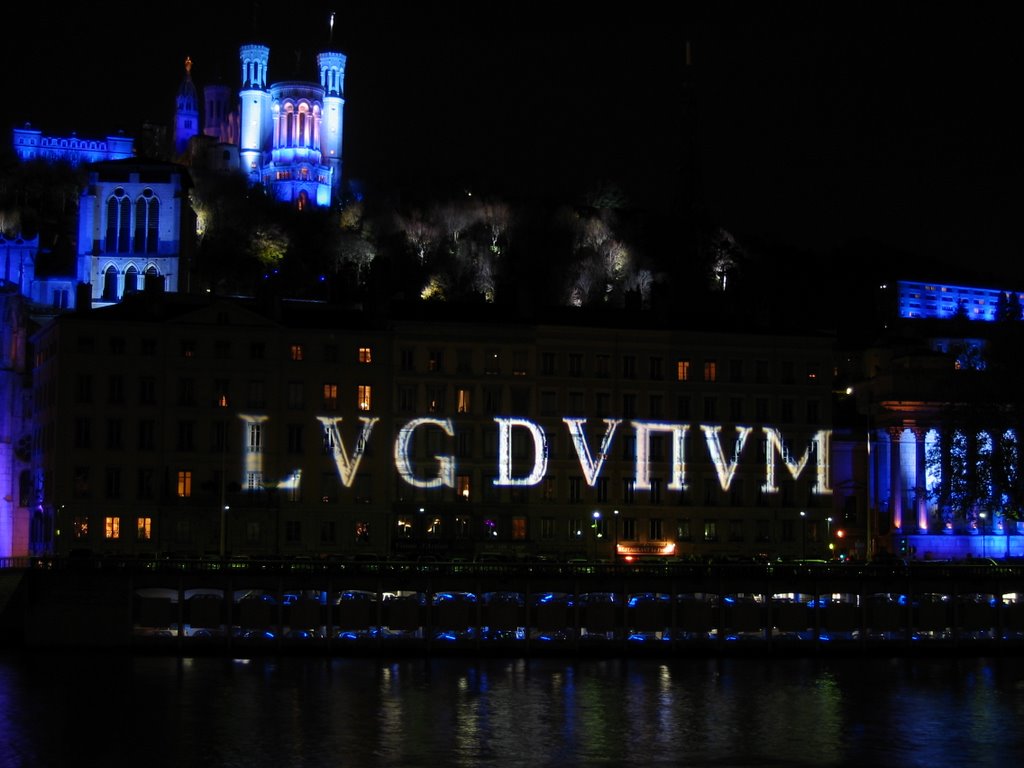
<point>924,300</point>
<point>30,144</point>
<point>291,131</point>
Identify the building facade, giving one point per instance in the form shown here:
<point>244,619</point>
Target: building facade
<point>135,223</point>
<point>206,425</point>
<point>31,144</point>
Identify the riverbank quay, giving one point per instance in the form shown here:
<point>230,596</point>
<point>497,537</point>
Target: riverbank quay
<point>240,608</point>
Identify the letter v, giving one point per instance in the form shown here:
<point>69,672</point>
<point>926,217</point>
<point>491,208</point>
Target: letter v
<point>725,469</point>
<point>346,468</point>
<point>591,469</point>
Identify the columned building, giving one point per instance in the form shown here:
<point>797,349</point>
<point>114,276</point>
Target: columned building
<point>939,394</point>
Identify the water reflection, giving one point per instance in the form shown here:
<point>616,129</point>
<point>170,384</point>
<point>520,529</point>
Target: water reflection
<point>466,712</point>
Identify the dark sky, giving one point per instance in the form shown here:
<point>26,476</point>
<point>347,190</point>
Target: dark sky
<point>813,125</point>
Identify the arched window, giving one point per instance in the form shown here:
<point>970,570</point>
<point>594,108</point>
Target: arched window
<point>123,225</point>
<point>147,223</point>
<point>110,244</point>
<point>140,226</point>
<point>131,280</point>
<point>153,225</point>
<point>110,284</point>
<point>119,216</point>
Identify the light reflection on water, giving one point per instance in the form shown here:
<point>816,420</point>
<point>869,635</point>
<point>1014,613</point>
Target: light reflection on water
<point>115,710</point>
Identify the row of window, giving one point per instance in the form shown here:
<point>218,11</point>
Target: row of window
<point>517,529</point>
<point>219,397</point>
<point>436,400</point>
<point>573,489</point>
<point>119,225</point>
<point>463,444</point>
<point>685,369</point>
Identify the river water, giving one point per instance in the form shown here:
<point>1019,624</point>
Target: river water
<point>111,710</point>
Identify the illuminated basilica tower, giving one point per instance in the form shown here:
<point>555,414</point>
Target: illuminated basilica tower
<point>290,132</point>
<point>186,112</point>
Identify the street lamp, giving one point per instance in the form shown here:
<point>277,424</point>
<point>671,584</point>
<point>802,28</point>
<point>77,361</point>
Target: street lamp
<point>597,532</point>
<point>223,531</point>
<point>828,536</point>
<point>615,520</point>
<point>803,535</point>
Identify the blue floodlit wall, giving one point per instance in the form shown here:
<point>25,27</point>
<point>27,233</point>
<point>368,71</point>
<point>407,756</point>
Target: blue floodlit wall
<point>31,144</point>
<point>936,300</point>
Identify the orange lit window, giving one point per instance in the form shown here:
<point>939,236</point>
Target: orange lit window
<point>296,352</point>
<point>519,528</point>
<point>144,528</point>
<point>364,397</point>
<point>710,370</point>
<point>330,396</point>
<point>462,487</point>
<point>80,527</point>
<point>463,400</point>
<point>112,527</point>
<point>682,370</point>
<point>184,484</point>
<point>365,355</point>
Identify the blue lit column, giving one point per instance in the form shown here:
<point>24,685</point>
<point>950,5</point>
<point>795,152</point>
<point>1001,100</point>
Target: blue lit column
<point>920,480</point>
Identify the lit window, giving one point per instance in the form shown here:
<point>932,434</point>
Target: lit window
<point>330,396</point>
<point>112,527</point>
<point>682,370</point>
<point>519,528</point>
<point>710,370</point>
<point>364,397</point>
<point>435,360</point>
<point>365,355</point>
<point>710,530</point>
<point>463,400</point>
<point>144,528</point>
<point>80,527</point>
<point>221,390</point>
<point>184,484</point>
<point>462,486</point>
<point>296,352</point>
<point>255,438</point>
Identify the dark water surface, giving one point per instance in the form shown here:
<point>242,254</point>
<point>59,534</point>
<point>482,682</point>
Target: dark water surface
<point>115,710</point>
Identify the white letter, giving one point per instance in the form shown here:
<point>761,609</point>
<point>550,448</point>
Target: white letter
<point>446,464</point>
<point>725,471</point>
<point>346,468</point>
<point>540,452</point>
<point>591,469</point>
<point>643,439</point>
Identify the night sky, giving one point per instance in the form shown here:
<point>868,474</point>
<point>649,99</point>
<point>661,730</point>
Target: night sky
<point>891,128</point>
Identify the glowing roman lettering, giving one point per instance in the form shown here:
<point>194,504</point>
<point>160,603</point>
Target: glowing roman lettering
<point>820,444</point>
<point>726,470</point>
<point>540,452</point>
<point>347,467</point>
<point>446,464</point>
<point>643,439</point>
<point>591,469</point>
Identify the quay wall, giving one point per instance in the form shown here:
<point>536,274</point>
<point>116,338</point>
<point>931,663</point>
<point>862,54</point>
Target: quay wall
<point>338,608</point>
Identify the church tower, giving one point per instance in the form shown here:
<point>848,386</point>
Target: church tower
<point>332,78</point>
<point>186,112</point>
<point>255,124</point>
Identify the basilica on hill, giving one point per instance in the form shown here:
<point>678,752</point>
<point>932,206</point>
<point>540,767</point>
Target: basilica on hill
<point>134,221</point>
